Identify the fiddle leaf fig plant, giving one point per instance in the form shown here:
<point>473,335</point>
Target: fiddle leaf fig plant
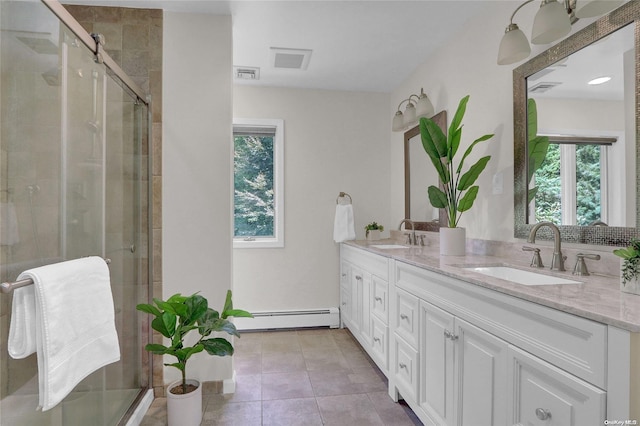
<point>179,315</point>
<point>459,192</point>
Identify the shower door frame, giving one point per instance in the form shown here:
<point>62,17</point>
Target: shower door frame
<point>67,19</point>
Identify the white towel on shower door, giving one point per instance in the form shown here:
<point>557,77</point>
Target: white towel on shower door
<point>68,318</point>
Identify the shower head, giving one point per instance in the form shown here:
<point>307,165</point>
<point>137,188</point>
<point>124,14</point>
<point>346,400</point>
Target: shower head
<point>52,76</point>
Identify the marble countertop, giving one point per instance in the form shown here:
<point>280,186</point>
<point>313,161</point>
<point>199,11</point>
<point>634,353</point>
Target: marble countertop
<point>597,297</point>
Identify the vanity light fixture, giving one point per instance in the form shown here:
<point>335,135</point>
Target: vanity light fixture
<point>415,109</point>
<point>599,80</point>
<point>552,22</point>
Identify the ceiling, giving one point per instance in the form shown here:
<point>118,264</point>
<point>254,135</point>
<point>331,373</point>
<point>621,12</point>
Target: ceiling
<point>356,45</point>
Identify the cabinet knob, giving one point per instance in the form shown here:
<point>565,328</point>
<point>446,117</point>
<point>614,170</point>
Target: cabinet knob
<point>403,316</point>
<point>543,414</point>
<point>358,277</point>
<point>403,365</point>
<point>344,303</point>
<point>344,275</point>
<point>378,299</point>
<point>376,339</point>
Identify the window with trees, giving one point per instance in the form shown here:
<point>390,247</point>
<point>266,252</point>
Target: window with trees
<point>572,186</point>
<point>258,183</point>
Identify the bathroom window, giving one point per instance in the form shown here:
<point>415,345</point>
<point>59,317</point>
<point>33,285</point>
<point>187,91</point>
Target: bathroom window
<point>258,183</point>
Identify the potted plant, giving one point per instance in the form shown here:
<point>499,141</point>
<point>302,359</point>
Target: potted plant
<point>630,267</point>
<point>458,191</point>
<point>176,318</point>
<point>373,231</point>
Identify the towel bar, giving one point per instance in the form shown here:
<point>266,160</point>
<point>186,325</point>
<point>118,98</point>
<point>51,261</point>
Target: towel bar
<point>9,287</point>
<point>344,194</point>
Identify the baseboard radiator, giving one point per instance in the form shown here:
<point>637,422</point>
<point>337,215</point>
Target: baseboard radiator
<point>329,317</point>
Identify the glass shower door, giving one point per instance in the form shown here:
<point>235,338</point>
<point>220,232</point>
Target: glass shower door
<point>73,183</point>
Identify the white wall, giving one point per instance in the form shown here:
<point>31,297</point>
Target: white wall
<point>334,141</point>
<point>466,65</point>
<point>196,238</point>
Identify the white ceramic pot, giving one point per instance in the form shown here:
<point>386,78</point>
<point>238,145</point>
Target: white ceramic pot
<point>184,410</point>
<point>453,241</point>
<point>632,286</point>
<point>373,235</point>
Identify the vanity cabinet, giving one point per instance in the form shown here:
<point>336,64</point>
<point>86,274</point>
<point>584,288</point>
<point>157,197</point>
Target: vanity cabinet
<point>466,369</point>
<point>462,354</point>
<point>364,294</point>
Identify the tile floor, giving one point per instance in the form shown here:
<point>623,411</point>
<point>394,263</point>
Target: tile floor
<point>300,377</point>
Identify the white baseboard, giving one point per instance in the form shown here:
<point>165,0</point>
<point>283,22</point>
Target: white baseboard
<point>329,317</point>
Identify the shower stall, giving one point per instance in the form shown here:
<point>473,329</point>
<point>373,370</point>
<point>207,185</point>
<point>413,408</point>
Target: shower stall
<point>74,142</point>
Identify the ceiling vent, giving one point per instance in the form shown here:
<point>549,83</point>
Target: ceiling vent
<point>247,73</point>
<point>297,59</point>
<point>543,87</point>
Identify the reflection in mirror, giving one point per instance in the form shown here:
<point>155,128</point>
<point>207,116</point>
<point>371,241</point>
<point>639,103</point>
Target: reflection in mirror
<point>584,177</point>
<point>587,182</point>
<point>418,175</point>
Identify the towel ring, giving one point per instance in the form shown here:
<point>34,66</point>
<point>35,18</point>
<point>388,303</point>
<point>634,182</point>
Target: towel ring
<point>342,195</point>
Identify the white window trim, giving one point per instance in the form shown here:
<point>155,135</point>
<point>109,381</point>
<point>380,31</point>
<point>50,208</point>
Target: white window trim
<point>278,176</point>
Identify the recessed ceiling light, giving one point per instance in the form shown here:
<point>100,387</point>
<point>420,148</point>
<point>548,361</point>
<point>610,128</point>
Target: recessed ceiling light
<point>599,80</point>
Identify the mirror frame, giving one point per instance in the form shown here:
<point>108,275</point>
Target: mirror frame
<point>627,14</point>
<point>441,120</point>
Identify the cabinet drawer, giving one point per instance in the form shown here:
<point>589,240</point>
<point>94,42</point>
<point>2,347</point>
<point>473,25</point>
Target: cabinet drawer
<point>406,317</point>
<point>546,395</point>
<point>380,343</point>
<point>405,369</point>
<point>379,296</point>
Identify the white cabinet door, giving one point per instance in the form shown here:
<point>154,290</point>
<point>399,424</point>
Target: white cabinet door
<point>345,305</point>
<point>360,303</point>
<point>546,395</point>
<point>481,376</point>
<point>436,364</point>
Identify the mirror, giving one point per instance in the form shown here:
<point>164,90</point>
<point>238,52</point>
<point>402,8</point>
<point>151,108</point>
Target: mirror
<point>587,182</point>
<point>419,170</point>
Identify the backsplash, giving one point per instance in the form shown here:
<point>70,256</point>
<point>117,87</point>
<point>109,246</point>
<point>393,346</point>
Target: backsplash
<point>609,264</point>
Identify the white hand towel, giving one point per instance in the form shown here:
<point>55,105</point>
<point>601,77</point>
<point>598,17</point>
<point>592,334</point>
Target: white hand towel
<point>343,226</point>
<point>69,314</point>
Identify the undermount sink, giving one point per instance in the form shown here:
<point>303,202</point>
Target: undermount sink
<point>519,276</point>
<point>389,246</point>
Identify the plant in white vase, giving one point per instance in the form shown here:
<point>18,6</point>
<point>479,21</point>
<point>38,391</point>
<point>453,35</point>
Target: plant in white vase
<point>176,318</point>
<point>458,191</point>
<point>630,269</point>
<point>373,230</point>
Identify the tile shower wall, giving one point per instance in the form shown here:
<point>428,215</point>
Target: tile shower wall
<point>134,40</point>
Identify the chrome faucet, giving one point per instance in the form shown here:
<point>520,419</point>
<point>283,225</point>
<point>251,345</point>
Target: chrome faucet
<point>412,236</point>
<point>557,261</point>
